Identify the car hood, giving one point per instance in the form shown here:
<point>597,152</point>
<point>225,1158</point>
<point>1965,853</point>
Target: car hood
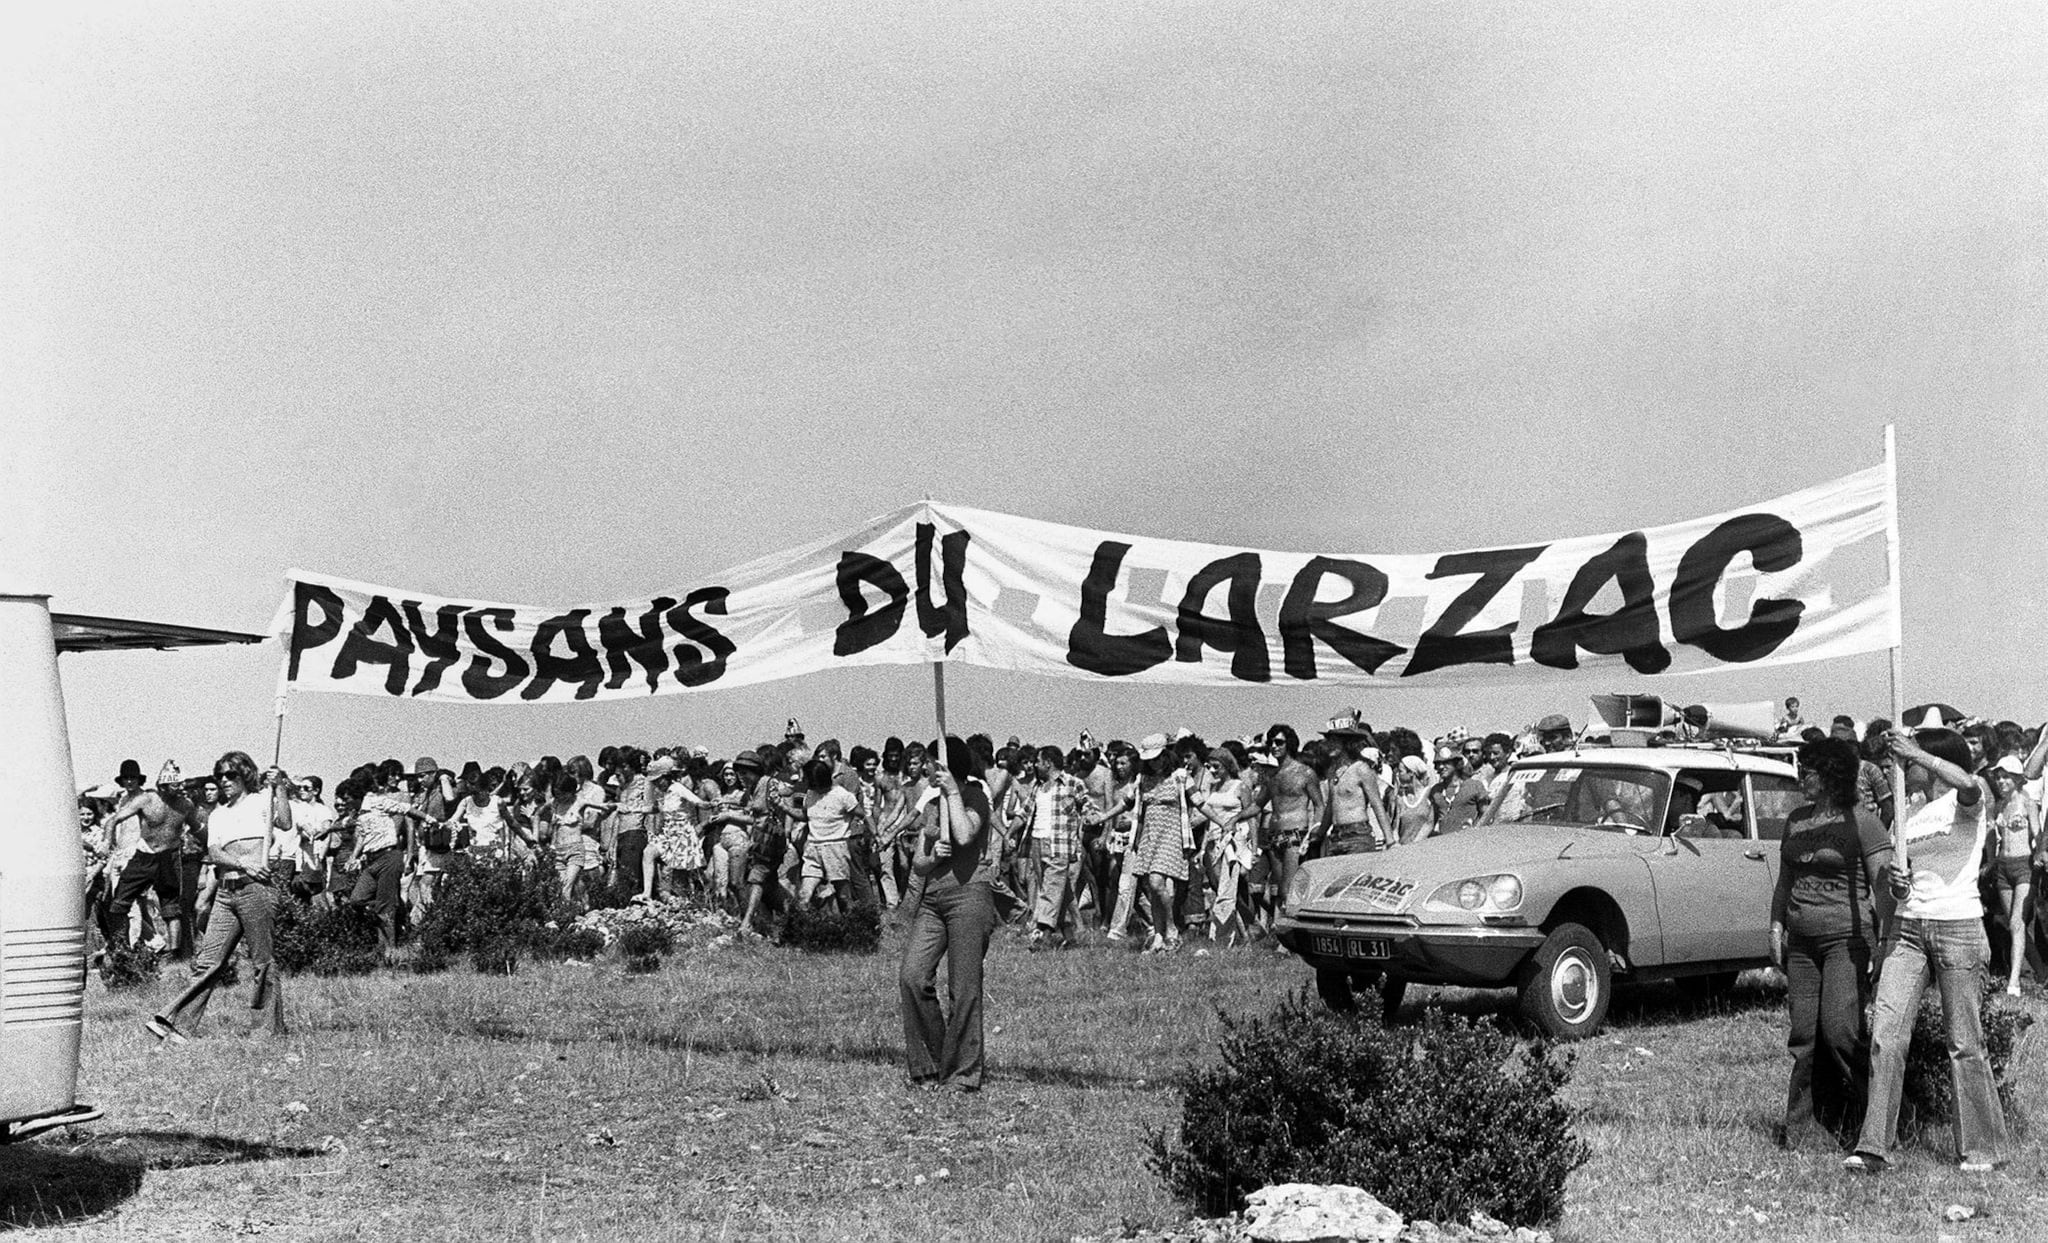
<point>1394,881</point>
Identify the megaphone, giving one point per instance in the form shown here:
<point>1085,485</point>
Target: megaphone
<point>1653,714</point>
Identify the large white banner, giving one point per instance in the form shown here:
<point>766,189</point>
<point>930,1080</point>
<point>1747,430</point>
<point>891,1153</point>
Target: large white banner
<point>1770,584</point>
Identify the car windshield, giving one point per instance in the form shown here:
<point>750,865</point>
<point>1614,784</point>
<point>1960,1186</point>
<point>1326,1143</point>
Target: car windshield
<point>1625,800</point>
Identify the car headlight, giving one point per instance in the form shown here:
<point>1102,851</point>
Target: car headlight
<point>1497,894</point>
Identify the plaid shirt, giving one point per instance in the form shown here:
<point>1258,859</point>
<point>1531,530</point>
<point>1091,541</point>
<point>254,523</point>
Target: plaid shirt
<point>1059,834</point>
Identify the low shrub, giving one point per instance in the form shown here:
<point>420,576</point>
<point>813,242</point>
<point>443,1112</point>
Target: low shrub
<point>339,941</point>
<point>1439,1120</point>
<point>486,902</point>
<point>642,946</point>
<point>1927,1103</point>
<point>566,942</point>
<point>496,957</point>
<point>129,966</point>
<point>825,931</point>
<point>601,896</point>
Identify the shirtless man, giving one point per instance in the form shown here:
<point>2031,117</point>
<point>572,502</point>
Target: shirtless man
<point>160,815</point>
<point>1293,802</point>
<point>1358,816</point>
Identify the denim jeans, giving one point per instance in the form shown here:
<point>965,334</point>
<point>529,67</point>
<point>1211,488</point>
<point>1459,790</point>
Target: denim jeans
<point>249,910</point>
<point>953,922</point>
<point>1127,879</point>
<point>1825,995</point>
<point>1954,952</point>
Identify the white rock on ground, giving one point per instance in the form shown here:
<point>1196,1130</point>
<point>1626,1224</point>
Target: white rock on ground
<point>1308,1213</point>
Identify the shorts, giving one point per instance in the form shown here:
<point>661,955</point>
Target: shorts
<point>2009,872</point>
<point>577,851</point>
<point>828,861</point>
<point>1356,838</point>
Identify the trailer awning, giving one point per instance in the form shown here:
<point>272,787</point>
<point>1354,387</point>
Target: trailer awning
<point>79,633</point>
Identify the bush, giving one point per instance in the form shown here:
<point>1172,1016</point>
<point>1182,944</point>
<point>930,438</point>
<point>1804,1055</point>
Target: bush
<point>599,896</point>
<point>496,957</point>
<point>643,944</point>
<point>570,942</point>
<point>129,966</point>
<point>1438,1121</point>
<point>826,931</point>
<point>1927,1103</point>
<point>484,903</point>
<point>339,941</point>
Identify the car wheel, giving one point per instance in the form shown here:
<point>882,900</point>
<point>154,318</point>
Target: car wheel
<point>1392,989</point>
<point>1566,994</point>
<point>1334,987</point>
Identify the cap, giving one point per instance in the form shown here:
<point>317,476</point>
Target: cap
<point>425,765</point>
<point>747,759</point>
<point>1554,722</point>
<point>1151,745</point>
<point>2011,764</point>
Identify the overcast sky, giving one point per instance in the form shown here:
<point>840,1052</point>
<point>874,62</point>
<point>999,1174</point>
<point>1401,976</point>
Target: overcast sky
<point>559,302</point>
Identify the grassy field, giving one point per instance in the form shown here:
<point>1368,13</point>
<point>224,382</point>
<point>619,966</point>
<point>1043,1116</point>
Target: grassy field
<point>751,1092</point>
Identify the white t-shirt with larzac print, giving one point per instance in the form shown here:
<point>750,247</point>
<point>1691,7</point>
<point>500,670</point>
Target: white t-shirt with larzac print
<point>1945,847</point>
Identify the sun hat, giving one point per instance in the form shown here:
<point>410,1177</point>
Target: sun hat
<point>1151,745</point>
<point>747,759</point>
<point>1553,723</point>
<point>130,771</point>
<point>1346,726</point>
<point>661,767</point>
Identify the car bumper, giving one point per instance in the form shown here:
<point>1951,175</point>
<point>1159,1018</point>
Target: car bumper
<point>1475,956</point>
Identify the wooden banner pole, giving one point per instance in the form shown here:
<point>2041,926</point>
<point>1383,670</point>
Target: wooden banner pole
<point>1891,542</point>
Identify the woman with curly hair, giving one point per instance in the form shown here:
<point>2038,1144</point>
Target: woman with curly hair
<point>1938,933</point>
<point>1822,934</point>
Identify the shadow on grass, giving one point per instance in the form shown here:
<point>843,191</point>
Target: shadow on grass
<point>752,1044</point>
<point>47,1184</point>
<point>1649,1005</point>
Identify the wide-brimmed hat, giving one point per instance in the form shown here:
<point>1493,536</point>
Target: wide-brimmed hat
<point>130,771</point>
<point>662,766</point>
<point>1346,726</point>
<point>1151,745</point>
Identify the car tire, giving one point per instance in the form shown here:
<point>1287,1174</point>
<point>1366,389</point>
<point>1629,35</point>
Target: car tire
<point>1334,987</point>
<point>1570,984</point>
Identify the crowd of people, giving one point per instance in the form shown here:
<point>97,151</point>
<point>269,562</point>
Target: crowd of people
<point>1166,840</point>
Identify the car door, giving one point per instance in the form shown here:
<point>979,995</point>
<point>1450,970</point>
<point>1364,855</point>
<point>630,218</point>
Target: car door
<point>1713,880</point>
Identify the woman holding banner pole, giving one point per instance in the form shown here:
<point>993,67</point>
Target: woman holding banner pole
<point>1938,932</point>
<point>955,915</point>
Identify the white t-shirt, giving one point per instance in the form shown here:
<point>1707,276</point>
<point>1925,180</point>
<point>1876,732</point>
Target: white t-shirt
<point>248,819</point>
<point>486,824</point>
<point>310,823</point>
<point>1945,847</point>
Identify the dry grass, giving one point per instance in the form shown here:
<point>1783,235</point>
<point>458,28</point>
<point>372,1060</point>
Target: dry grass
<point>753,1093</point>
